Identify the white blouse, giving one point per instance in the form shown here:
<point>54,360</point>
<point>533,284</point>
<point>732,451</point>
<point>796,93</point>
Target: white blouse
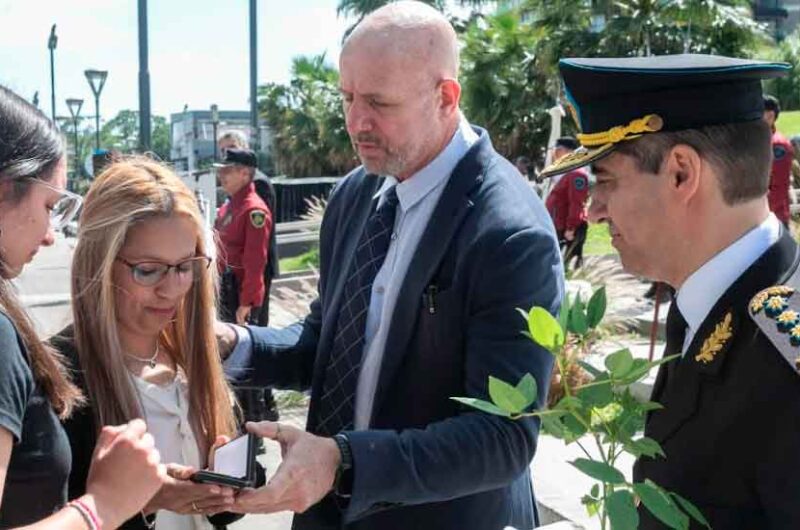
<point>166,411</point>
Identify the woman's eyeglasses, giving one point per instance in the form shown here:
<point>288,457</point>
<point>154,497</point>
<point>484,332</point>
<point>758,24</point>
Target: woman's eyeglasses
<point>65,208</point>
<point>150,273</point>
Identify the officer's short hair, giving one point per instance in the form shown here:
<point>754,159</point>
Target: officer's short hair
<point>741,153</point>
<point>772,103</point>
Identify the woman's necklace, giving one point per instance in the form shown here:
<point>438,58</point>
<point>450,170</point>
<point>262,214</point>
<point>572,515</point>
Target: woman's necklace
<point>151,361</point>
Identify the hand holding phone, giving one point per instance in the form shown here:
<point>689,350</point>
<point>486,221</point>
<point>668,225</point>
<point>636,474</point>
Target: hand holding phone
<point>234,464</point>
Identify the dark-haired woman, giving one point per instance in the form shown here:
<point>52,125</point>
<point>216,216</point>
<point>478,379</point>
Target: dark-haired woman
<point>34,388</point>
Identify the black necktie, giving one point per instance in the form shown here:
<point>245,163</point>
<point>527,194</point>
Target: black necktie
<point>676,334</point>
<point>336,410</point>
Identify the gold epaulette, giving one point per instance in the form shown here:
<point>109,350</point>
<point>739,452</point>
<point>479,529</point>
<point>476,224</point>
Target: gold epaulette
<point>776,311</point>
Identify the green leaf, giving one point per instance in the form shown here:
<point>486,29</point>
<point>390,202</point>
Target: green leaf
<point>660,505</point>
<point>577,318</point>
<point>691,509</point>
<point>569,402</point>
<point>575,429</point>
<point>597,393</point>
<point>607,414</point>
<point>482,405</point>
<point>619,363</point>
<point>595,490</point>
<point>596,308</point>
<point>506,397</point>
<point>528,388</point>
<point>589,368</point>
<point>563,314</point>
<point>592,505</point>
<point>545,330</point>
<point>599,471</point>
<point>648,447</point>
<point>647,406</point>
<point>622,511</point>
<point>553,426</point>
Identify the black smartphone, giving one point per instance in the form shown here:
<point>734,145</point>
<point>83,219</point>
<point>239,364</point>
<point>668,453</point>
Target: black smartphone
<point>234,464</point>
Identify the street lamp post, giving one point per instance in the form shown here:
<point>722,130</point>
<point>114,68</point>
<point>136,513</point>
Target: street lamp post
<point>52,42</point>
<point>214,124</point>
<point>144,81</point>
<point>74,105</point>
<point>97,79</point>
<point>254,75</point>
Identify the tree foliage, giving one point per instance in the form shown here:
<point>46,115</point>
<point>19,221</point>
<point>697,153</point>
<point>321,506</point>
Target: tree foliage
<point>787,89</point>
<point>309,134</point>
<point>120,133</point>
<point>510,58</point>
<point>509,68</point>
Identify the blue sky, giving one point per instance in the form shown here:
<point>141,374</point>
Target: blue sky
<point>198,49</point>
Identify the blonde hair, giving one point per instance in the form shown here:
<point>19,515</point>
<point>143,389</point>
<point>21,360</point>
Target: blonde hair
<point>126,193</point>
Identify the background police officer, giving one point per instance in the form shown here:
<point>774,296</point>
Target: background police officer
<point>782,157</point>
<point>567,205</point>
<point>236,139</point>
<point>244,225</point>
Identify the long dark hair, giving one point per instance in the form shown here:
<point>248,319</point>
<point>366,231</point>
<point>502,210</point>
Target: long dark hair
<point>30,147</point>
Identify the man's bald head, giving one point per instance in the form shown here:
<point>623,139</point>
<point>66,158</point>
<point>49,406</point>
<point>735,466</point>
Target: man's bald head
<point>415,32</point>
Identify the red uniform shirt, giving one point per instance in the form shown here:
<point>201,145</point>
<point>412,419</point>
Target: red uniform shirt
<point>567,200</point>
<point>244,225</point>
<point>780,177</point>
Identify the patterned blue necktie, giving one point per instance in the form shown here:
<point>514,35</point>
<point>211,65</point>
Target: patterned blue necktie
<point>337,407</point>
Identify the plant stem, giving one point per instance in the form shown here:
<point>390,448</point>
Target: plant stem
<point>584,450</point>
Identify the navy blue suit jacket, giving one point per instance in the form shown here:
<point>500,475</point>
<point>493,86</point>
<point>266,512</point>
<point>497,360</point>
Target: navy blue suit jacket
<point>426,462</point>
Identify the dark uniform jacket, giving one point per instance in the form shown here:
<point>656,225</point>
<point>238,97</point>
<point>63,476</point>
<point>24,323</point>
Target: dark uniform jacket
<point>427,463</point>
<point>244,225</point>
<point>730,426</point>
<point>266,191</point>
<point>82,432</point>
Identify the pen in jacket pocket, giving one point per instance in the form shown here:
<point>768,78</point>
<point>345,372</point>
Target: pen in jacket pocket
<point>430,298</point>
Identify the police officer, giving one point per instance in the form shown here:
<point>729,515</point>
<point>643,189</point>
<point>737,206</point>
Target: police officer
<point>681,157</point>
<point>235,139</point>
<point>567,205</point>
<point>244,225</point>
<point>782,157</point>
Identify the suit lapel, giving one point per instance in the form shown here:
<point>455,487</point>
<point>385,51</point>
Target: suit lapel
<point>708,351</point>
<point>453,206</point>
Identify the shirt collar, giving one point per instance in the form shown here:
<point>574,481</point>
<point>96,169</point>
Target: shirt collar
<point>420,184</point>
<point>240,195</point>
<point>700,292</point>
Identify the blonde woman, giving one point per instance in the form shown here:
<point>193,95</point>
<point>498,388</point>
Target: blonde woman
<point>142,338</point>
<point>35,390</point>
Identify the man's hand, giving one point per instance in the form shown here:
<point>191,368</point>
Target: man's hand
<point>242,314</point>
<point>180,495</point>
<point>304,477</point>
<point>569,235</point>
<point>226,338</point>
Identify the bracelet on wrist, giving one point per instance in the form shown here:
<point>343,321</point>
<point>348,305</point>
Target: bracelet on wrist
<point>88,515</point>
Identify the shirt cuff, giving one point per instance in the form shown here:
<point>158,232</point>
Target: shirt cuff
<point>238,364</point>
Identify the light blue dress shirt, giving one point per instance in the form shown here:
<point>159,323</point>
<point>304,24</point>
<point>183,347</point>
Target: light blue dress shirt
<point>417,196</point>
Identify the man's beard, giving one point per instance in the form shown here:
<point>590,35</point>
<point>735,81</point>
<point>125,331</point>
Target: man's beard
<point>392,163</point>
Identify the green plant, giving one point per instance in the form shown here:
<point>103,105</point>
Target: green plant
<point>602,411</point>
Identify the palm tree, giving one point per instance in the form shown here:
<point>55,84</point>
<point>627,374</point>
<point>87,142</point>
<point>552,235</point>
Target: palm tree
<point>309,136</point>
